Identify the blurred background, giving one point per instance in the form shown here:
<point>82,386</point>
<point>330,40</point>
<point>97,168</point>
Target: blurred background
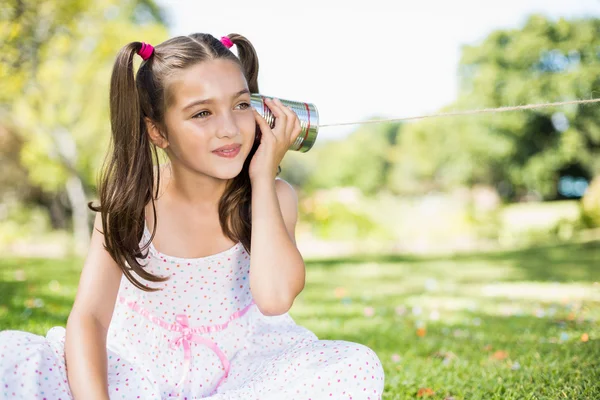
<point>477,238</point>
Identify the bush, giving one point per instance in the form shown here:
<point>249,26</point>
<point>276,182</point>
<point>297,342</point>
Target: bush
<point>339,214</point>
<point>590,204</point>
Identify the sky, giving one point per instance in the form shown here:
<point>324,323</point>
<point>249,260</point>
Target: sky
<point>357,60</point>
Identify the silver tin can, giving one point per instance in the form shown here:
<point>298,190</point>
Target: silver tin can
<point>307,114</point>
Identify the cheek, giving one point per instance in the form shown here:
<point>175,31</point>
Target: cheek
<point>247,124</point>
<point>189,138</point>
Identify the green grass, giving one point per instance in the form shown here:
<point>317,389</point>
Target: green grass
<point>505,325</point>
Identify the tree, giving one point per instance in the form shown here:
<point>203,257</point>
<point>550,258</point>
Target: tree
<point>363,159</point>
<point>60,103</point>
<point>520,152</point>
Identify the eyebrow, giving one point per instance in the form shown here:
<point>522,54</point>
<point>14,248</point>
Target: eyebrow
<point>207,101</point>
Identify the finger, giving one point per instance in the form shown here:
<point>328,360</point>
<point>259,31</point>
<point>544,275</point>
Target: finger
<point>291,118</point>
<point>294,126</point>
<point>296,131</point>
<point>280,118</point>
<point>265,129</point>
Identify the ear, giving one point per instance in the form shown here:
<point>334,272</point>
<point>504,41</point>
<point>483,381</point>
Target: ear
<point>155,136</point>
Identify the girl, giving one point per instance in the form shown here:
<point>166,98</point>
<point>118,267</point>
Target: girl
<point>170,303</point>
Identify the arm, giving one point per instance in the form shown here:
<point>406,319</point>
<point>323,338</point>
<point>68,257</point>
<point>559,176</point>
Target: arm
<point>277,271</point>
<point>87,326</point>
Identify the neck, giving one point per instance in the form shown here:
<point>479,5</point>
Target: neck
<point>191,188</point>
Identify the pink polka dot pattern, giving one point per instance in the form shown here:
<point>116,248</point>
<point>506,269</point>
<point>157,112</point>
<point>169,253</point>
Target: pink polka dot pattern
<point>262,357</point>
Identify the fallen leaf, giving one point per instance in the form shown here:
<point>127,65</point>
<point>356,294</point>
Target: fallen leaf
<point>500,355</point>
<point>340,292</point>
<point>425,392</point>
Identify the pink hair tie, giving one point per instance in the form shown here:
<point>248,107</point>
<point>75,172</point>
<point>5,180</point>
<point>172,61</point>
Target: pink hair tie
<point>226,41</point>
<point>146,50</point>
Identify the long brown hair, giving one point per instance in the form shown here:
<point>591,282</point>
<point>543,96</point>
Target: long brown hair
<point>127,184</point>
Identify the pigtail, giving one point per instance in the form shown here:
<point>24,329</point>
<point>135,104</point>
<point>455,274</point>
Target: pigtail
<point>126,183</point>
<point>248,59</point>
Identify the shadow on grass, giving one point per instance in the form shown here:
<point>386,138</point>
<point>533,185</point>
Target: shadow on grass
<point>554,263</point>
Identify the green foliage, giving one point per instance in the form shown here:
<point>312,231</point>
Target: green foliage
<point>463,219</point>
<point>518,152</point>
<point>590,204</point>
<point>363,160</point>
<point>523,224</point>
<point>58,99</point>
<point>341,215</point>
<point>22,222</point>
<point>545,61</point>
<point>442,154</point>
<point>25,27</point>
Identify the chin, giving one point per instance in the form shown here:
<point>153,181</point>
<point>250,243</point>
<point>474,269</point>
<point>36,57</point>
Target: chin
<point>229,173</point>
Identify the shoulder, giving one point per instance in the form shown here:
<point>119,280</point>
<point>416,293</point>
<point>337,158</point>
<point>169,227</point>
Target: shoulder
<point>282,184</point>
<point>288,204</point>
<point>286,192</point>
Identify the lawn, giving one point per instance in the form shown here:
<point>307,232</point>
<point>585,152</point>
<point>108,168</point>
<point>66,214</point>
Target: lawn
<point>506,325</point>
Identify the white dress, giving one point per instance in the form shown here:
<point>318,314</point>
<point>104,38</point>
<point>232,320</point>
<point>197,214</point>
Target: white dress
<point>201,336</point>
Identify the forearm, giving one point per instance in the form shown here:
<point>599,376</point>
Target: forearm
<point>85,352</point>
<point>277,269</point>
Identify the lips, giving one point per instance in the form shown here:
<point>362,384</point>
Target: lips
<point>229,147</point>
<point>229,151</point>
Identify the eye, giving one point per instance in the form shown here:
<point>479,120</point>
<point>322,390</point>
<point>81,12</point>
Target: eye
<point>200,113</point>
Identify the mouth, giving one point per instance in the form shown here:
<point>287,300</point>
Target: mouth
<point>229,151</point>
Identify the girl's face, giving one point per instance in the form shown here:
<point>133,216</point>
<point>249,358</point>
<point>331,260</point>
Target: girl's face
<point>208,106</point>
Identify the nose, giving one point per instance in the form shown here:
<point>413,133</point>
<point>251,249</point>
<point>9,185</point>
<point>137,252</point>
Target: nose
<point>228,126</point>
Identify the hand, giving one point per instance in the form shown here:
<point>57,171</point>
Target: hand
<point>273,143</point>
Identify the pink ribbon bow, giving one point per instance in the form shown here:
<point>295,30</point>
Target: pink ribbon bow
<point>185,339</point>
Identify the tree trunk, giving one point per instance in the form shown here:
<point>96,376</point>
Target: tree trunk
<point>81,230</point>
